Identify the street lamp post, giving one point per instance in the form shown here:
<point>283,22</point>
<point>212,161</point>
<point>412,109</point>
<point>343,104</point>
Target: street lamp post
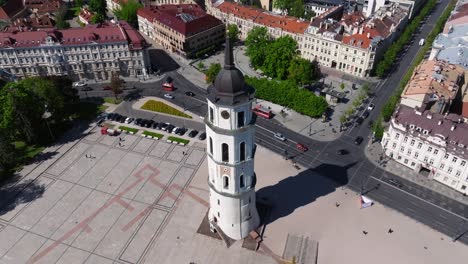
<point>45,116</point>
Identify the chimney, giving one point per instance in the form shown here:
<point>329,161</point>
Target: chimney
<point>368,35</point>
<point>429,116</point>
<point>453,127</point>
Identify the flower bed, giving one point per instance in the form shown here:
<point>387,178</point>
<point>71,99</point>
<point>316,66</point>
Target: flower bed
<point>161,107</point>
<point>152,134</point>
<point>178,140</point>
<point>128,129</point>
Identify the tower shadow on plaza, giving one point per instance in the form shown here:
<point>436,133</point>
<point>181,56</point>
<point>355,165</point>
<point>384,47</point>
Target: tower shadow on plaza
<point>302,189</point>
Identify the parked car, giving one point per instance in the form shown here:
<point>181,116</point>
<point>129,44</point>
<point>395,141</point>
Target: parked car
<point>100,121</point>
<point>365,114</point>
<point>395,182</point>
<point>358,140</point>
<point>182,131</point>
<point>164,126</point>
<point>193,133</point>
<point>175,130</point>
<point>189,94</point>
<point>109,116</point>
<point>138,121</point>
<point>122,119</point>
<point>155,125</point>
<point>202,136</point>
<point>149,123</point>
<point>279,136</point>
<point>342,152</point>
<point>79,84</point>
<point>371,107</point>
<point>128,120</point>
<point>169,96</point>
<point>143,122</point>
<point>302,147</point>
<point>359,121</point>
<point>169,128</point>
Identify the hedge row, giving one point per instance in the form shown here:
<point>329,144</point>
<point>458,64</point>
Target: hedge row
<point>390,55</point>
<point>157,106</point>
<point>393,101</point>
<point>286,93</point>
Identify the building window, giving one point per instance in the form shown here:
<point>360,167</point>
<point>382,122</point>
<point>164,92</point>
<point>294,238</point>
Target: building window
<point>463,187</point>
<point>442,166</point>
<point>429,149</point>
<point>431,161</point>
<point>242,151</point>
<point>219,216</point>
<point>426,158</point>
<point>225,152</point>
<point>454,182</point>
<point>397,135</point>
<point>412,164</point>
<point>406,161</point>
<point>458,173</point>
<point>225,182</point>
<point>416,155</point>
<point>211,146</point>
<point>436,151</point>
<point>394,145</point>
<point>463,163</point>
<point>454,159</point>
<point>218,202</point>
<point>402,149</point>
<point>409,152</point>
<point>412,142</point>
<point>405,139</point>
<point>446,156</point>
<point>211,115</point>
<point>450,169</point>
<point>419,145</point>
<point>445,179</point>
<point>240,119</point>
<point>242,182</point>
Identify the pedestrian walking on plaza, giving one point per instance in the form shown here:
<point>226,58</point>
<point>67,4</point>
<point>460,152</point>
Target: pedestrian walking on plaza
<point>86,156</point>
<point>337,204</point>
<point>365,232</point>
<point>390,231</point>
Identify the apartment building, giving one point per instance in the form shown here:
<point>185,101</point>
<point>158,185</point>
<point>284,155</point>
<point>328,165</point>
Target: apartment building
<point>432,144</point>
<point>184,29</point>
<point>92,52</point>
<point>348,42</point>
<point>434,86</point>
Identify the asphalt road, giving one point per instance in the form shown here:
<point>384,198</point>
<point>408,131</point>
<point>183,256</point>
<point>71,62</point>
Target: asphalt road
<point>352,170</point>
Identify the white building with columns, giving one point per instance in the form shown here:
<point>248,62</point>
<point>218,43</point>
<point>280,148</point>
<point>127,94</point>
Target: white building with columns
<point>426,141</point>
<point>231,147</point>
<point>92,52</point>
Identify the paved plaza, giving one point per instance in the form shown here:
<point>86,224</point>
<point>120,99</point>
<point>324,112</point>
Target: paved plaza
<point>143,201</point>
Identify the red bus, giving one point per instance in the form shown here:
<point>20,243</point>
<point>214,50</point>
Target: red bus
<point>262,111</point>
<point>168,84</point>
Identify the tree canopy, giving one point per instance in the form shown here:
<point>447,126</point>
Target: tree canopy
<point>257,42</point>
<point>128,12</point>
<point>212,72</point>
<point>280,54</point>
<point>116,85</point>
<point>99,9</point>
<point>233,32</point>
<point>294,8</point>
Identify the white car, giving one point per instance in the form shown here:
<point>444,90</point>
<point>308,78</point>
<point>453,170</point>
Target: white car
<point>421,42</point>
<point>279,136</point>
<point>79,84</point>
<point>169,96</point>
<point>128,120</point>
<point>371,107</point>
<point>174,131</point>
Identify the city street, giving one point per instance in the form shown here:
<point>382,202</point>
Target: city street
<point>352,170</point>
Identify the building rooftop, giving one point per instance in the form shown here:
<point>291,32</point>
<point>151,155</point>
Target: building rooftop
<point>86,15</point>
<point>102,33</point>
<point>186,19</point>
<point>449,128</point>
<point>437,79</point>
<point>43,6</point>
<point>10,9</point>
<point>31,23</point>
<point>459,16</point>
<point>453,45</point>
<point>268,19</point>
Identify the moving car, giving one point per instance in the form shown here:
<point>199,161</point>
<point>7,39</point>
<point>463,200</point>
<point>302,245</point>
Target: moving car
<point>168,84</point>
<point>302,147</point>
<point>358,140</point>
<point>169,96</point>
<point>79,84</point>
<point>189,94</point>
<point>421,42</point>
<point>193,133</point>
<point>279,136</point>
<point>371,107</point>
<point>202,136</point>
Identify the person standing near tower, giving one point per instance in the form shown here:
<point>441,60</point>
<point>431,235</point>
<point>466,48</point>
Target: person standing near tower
<point>230,143</point>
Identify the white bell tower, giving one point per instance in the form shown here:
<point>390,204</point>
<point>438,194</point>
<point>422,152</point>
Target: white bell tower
<point>230,147</point>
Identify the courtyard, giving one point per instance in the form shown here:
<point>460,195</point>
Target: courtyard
<point>142,201</point>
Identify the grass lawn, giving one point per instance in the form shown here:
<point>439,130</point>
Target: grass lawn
<point>154,135</point>
<point>129,129</point>
<point>161,107</point>
<point>112,100</point>
<point>178,140</point>
<point>27,152</point>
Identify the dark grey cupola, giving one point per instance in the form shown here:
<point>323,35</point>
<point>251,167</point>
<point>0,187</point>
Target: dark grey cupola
<point>229,87</point>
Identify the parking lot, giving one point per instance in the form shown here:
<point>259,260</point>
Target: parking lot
<point>105,201</point>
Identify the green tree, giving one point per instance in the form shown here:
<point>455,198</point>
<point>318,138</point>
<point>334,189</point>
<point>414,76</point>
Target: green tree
<point>281,4</point>
<point>233,33</point>
<point>296,8</point>
<point>257,42</point>
<point>60,18</point>
<point>342,86</point>
<point>8,155</point>
<point>378,128</point>
<point>201,65</point>
<point>98,18</point>
<point>128,12</point>
<point>300,71</point>
<point>280,54</point>
<point>78,3</point>
<point>212,72</point>
<point>98,7</point>
<point>116,85</point>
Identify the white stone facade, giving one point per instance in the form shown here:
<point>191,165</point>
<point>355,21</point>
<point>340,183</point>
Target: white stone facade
<point>230,147</point>
<point>418,147</point>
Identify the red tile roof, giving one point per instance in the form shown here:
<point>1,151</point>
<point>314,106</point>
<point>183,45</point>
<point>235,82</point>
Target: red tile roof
<point>30,24</point>
<point>10,9</point>
<point>44,6</point>
<point>185,19</point>
<point>86,15</point>
<point>465,110</point>
<point>287,23</point>
<point>103,33</point>
<point>357,40</point>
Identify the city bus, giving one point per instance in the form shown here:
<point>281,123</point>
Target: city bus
<point>168,84</point>
<point>262,111</point>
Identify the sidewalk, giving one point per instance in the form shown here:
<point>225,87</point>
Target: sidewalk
<point>374,152</point>
<point>147,79</point>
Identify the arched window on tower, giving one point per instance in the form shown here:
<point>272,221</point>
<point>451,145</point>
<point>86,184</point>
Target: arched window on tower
<point>242,181</point>
<point>225,182</point>
<point>242,151</point>
<point>225,152</point>
<point>211,146</point>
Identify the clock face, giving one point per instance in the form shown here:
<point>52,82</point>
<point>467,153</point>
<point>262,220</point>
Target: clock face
<point>225,114</point>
